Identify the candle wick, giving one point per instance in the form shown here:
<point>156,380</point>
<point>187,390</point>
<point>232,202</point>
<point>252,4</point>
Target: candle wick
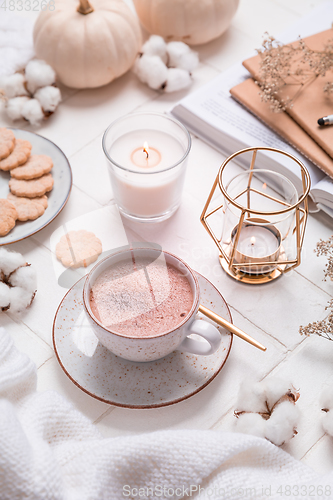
<point>145,151</point>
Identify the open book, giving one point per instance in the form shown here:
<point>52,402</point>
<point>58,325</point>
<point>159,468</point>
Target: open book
<point>213,115</point>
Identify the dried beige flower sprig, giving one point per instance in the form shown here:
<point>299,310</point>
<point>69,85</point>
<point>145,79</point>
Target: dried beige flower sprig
<point>326,248</point>
<point>323,328</point>
<point>285,70</point>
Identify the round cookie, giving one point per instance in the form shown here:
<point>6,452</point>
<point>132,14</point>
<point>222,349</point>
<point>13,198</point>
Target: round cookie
<point>18,156</point>
<point>31,188</point>
<point>7,142</point>
<point>36,166</point>
<point>28,208</point>
<point>8,217</point>
<point>78,249</point>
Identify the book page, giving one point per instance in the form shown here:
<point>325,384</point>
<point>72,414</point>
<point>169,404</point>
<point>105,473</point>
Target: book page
<point>323,192</point>
<point>228,126</point>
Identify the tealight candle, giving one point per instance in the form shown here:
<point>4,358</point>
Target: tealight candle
<point>147,155</point>
<point>258,242</point>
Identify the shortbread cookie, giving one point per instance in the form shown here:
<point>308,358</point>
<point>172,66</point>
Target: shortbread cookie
<point>36,166</point>
<point>33,187</point>
<point>28,208</point>
<point>8,217</point>
<point>18,156</point>
<point>78,249</point>
<point>7,142</point>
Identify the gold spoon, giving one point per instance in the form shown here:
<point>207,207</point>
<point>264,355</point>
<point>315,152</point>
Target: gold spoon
<point>230,327</point>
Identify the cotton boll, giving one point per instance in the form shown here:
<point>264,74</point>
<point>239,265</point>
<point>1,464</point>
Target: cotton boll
<point>13,85</point>
<point>49,98</point>
<point>274,389</point>
<point>20,299</point>
<point>9,261</point>
<point>177,79</point>
<point>251,423</point>
<point>14,107</point>
<point>327,422</point>
<point>326,398</point>
<point>151,70</point>
<point>4,295</point>
<point>38,74</point>
<point>282,424</point>
<point>24,277</point>
<point>181,56</point>
<point>251,398</point>
<point>156,46</point>
<point>32,111</point>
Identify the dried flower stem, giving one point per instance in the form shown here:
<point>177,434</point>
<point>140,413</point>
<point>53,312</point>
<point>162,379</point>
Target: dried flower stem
<point>290,67</point>
<point>323,328</point>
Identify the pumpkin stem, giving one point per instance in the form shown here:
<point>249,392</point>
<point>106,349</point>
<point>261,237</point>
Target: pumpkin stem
<point>85,7</point>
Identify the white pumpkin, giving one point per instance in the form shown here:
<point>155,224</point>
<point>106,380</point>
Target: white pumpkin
<point>88,45</point>
<point>191,21</point>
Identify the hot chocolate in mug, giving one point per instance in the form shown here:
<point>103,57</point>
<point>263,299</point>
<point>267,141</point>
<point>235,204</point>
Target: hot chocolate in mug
<point>131,295</point>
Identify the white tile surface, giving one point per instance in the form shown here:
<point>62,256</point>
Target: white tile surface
<point>270,313</point>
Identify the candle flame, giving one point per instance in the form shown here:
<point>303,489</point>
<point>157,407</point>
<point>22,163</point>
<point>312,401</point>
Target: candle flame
<point>264,186</point>
<point>253,240</point>
<point>146,149</point>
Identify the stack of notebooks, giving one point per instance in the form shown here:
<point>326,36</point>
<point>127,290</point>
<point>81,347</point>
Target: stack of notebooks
<point>229,114</point>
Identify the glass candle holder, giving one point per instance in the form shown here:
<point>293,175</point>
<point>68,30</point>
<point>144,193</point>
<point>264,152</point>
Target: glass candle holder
<point>147,156</point>
<point>258,220</point>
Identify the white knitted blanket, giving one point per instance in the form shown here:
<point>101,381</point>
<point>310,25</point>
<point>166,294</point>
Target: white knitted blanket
<point>48,450</point>
<point>16,44</point>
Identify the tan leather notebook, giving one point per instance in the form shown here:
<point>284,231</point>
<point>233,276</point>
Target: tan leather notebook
<point>311,103</point>
<point>247,93</point>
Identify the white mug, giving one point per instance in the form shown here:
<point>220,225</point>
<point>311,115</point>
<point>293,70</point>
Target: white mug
<point>152,348</point>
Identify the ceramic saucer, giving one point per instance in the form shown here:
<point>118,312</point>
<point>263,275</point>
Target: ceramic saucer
<point>57,198</point>
<point>116,381</point>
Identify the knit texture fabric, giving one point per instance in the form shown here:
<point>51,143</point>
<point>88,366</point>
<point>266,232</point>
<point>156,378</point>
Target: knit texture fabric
<point>16,44</point>
<point>50,451</point>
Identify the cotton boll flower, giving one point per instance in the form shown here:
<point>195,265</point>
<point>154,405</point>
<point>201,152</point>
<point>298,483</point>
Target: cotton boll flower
<point>181,56</point>
<point>326,398</point>
<point>24,277</point>
<point>177,79</point>
<point>251,398</point>
<point>49,98</point>
<point>274,388</point>
<point>273,400</point>
<point>281,426</point>
<point>13,85</point>
<point>14,107</point>
<point>326,404</point>
<point>9,261</point>
<point>20,299</point>
<point>156,46</point>
<point>151,70</point>
<point>251,423</point>
<point>38,74</point>
<point>4,295</point>
<point>32,111</point>
<point>327,422</point>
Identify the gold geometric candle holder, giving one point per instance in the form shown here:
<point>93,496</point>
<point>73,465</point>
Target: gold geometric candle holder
<point>257,218</point>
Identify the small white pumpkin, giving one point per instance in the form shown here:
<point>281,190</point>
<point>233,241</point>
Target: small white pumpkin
<point>88,45</point>
<point>190,21</point>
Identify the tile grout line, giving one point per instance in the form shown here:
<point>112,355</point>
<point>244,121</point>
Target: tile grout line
<point>103,130</point>
<point>258,327</point>
<point>314,284</point>
<point>104,415</point>
<point>30,330</point>
<point>314,444</point>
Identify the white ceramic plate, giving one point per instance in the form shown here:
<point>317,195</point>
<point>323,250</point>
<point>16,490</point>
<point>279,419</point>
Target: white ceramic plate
<point>116,381</point>
<point>62,175</point>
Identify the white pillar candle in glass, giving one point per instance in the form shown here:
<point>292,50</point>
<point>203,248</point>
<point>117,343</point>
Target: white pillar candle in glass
<point>147,156</point>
